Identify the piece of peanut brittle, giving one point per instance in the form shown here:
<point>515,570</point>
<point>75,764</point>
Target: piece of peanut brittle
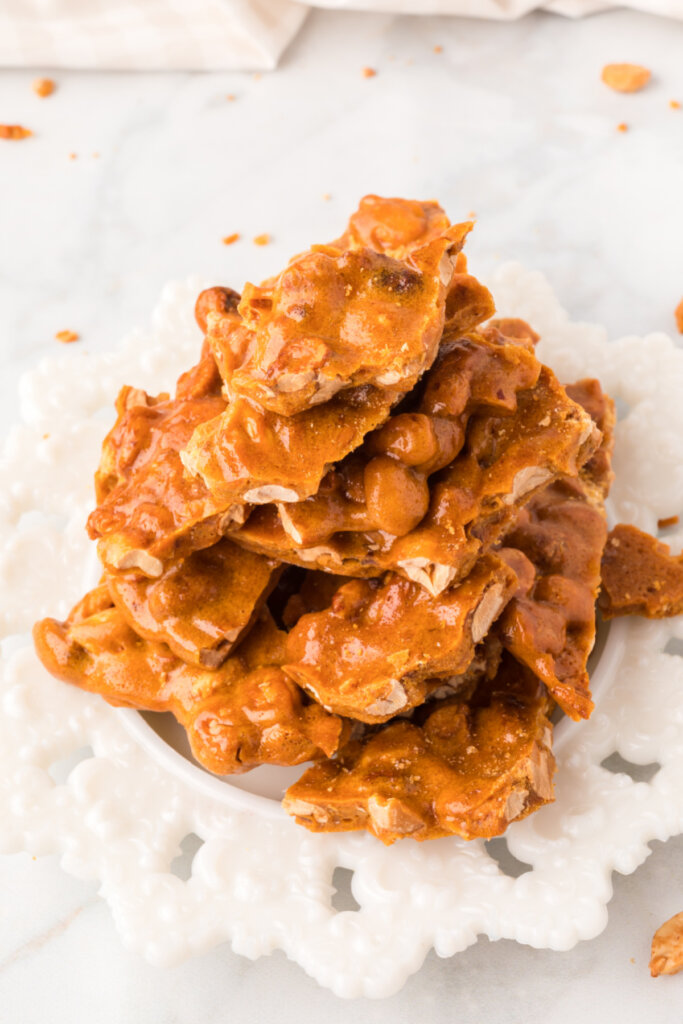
<point>550,623</point>
<point>640,576</point>
<point>201,605</point>
<point>466,767</point>
<point>667,947</point>
<point>248,454</point>
<point>596,474</point>
<point>246,713</point>
<point>498,446</point>
<point>149,509</point>
<point>335,319</point>
<point>396,227</point>
<point>375,650</point>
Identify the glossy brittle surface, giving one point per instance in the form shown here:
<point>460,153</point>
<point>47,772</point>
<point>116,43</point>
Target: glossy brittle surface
<point>245,713</point>
<point>366,531</point>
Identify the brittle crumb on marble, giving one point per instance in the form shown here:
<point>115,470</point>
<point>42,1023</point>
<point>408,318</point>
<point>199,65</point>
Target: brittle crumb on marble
<point>66,337</point>
<point>369,72</point>
<point>43,87</point>
<point>667,947</point>
<point>625,77</point>
<point>14,132</point>
<point>667,521</point>
<point>640,576</point>
<point>231,239</point>
<point>262,239</point>
<point>678,313</point>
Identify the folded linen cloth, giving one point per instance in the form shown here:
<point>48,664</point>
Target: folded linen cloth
<point>147,35</point>
<point>246,35</point>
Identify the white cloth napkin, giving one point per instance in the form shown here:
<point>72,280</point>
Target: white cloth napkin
<point>246,35</point>
<point>147,35</point>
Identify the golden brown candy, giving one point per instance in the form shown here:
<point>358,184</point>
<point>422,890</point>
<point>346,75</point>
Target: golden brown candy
<point>640,576</point>
<point>352,415</point>
<point>250,455</point>
<point>335,320</point>
<point>460,767</point>
<point>667,947</point>
<point>375,650</point>
<point>471,374</point>
<point>500,424</point>
<point>551,626</point>
<point>393,226</point>
<point>550,623</point>
<point>596,474</point>
<point>246,713</point>
<point>149,508</point>
<point>201,605</point>
<point>214,300</point>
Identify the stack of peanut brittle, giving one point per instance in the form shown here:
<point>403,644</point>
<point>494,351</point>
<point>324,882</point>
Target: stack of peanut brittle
<point>365,532</point>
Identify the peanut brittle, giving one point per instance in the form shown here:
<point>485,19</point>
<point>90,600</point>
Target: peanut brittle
<point>460,767</point>
<point>335,319</point>
<point>250,455</point>
<point>201,605</point>
<point>246,713</point>
<point>365,531</point>
<point>667,947</point>
<point>375,650</point>
<point>550,623</point>
<point>596,474</point>
<point>640,576</point>
<point>550,626</point>
<point>149,508</point>
<point>396,227</point>
<point>492,423</point>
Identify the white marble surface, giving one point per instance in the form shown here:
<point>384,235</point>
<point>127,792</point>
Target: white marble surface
<point>510,121</point>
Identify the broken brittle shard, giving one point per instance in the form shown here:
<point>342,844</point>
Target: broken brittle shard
<point>667,947</point>
<point>435,487</point>
<point>464,767</point>
<point>640,576</point>
<point>376,649</point>
<point>245,713</point>
<point>149,509</point>
<point>315,360</point>
<point>336,318</point>
<point>201,605</point>
<point>550,623</point>
<point>248,454</point>
<point>396,227</point>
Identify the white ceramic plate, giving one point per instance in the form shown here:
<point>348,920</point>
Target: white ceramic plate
<point>118,798</point>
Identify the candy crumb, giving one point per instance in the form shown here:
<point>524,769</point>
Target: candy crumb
<point>678,313</point>
<point>231,239</point>
<point>66,337</point>
<point>43,87</point>
<point>262,239</point>
<point>14,131</point>
<point>625,77</point>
